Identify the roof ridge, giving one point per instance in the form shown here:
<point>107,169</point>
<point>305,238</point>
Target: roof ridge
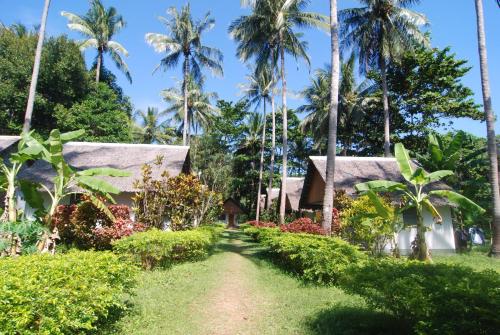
<point>134,145</point>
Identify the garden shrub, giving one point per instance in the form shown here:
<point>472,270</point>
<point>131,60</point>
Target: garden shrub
<point>156,248</point>
<point>261,224</point>
<point>302,225</point>
<point>87,227</point>
<point>259,234</point>
<point>362,226</point>
<point>21,237</point>
<point>316,258</point>
<point>71,293</point>
<point>433,298</point>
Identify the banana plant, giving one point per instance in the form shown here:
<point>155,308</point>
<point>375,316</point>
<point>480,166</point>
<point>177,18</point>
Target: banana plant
<point>9,181</point>
<point>68,180</point>
<point>414,190</point>
<point>442,156</point>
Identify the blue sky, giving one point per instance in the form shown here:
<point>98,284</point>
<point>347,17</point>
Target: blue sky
<point>452,24</point>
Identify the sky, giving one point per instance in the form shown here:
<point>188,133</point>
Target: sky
<point>452,24</point>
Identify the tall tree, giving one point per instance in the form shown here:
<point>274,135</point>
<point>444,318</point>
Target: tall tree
<point>378,34</point>
<point>490,128</point>
<point>99,25</point>
<point>150,128</point>
<point>267,34</point>
<point>332,121</point>
<point>36,69</point>
<point>258,91</point>
<point>184,40</point>
<point>200,111</point>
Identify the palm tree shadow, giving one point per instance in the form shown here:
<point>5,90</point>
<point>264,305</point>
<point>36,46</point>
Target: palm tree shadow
<point>347,320</point>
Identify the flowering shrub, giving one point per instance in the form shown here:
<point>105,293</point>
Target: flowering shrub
<point>261,224</point>
<point>302,225</point>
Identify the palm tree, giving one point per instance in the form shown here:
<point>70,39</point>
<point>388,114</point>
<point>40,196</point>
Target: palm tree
<point>353,99</point>
<point>268,34</point>
<point>184,40</point>
<point>149,127</point>
<point>99,25</point>
<point>379,33</point>
<point>200,110</point>
<point>36,69</point>
<point>332,121</point>
<point>258,92</point>
<point>490,128</point>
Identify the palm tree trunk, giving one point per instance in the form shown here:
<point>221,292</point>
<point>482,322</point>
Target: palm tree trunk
<point>332,122</point>
<point>185,87</point>
<point>285,135</point>
<point>273,149</point>
<point>387,134</point>
<point>98,65</point>
<point>36,69</point>
<point>261,168</point>
<point>490,129</point>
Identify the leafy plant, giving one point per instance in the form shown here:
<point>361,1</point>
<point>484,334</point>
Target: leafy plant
<point>155,248</point>
<point>362,225</point>
<point>20,237</point>
<point>433,298</point>
<point>417,196</point>
<point>69,293</point>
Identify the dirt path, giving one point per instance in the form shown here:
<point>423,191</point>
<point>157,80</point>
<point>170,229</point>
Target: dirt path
<point>235,305</point>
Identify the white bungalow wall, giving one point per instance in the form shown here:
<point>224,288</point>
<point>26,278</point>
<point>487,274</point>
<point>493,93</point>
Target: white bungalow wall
<point>440,238</point>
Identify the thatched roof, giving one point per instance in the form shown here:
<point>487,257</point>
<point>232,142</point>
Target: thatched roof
<point>7,141</point>
<point>294,187</point>
<point>232,206</point>
<point>128,157</point>
<point>350,171</point>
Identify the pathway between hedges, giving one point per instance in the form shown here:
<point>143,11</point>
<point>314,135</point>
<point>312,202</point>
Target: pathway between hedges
<point>237,291</point>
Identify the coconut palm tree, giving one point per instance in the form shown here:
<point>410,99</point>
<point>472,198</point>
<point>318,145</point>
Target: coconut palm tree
<point>332,121</point>
<point>267,34</point>
<point>36,69</point>
<point>200,110</point>
<point>258,91</point>
<point>379,33</point>
<point>353,98</point>
<point>184,41</point>
<point>490,128</point>
<point>150,128</point>
<point>99,25</point>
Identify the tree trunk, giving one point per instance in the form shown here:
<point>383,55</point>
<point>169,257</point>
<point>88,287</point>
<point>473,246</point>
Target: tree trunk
<point>261,168</point>
<point>490,128</point>
<point>98,66</point>
<point>422,251</point>
<point>332,122</point>
<point>285,135</point>
<point>36,69</point>
<point>273,149</point>
<point>11,196</point>
<point>185,88</point>
<point>387,133</point>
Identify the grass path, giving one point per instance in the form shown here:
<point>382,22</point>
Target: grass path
<point>237,291</point>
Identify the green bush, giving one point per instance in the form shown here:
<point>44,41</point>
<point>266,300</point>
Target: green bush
<point>259,234</point>
<point>317,258</point>
<point>432,298</point>
<point>62,294</point>
<point>163,248</point>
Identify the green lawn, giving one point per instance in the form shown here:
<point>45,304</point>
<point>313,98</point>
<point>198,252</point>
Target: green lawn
<point>477,259</point>
<point>237,291</point>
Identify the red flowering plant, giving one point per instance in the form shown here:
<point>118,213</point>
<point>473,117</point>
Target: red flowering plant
<point>104,235</point>
<point>302,225</point>
<point>261,224</point>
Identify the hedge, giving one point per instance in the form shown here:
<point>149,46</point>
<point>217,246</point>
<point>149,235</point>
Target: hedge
<point>156,248</point>
<point>432,298</point>
<point>62,294</point>
<point>316,258</point>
